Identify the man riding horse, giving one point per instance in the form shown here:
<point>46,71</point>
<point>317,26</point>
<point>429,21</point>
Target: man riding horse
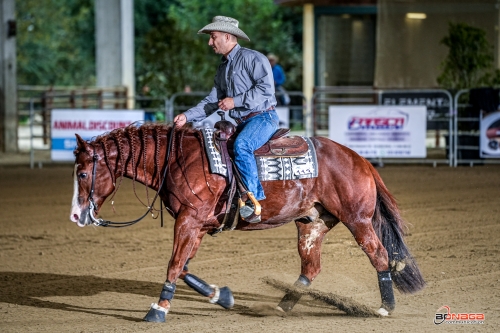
<point>244,86</point>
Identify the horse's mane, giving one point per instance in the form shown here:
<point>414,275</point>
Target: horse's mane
<point>136,138</point>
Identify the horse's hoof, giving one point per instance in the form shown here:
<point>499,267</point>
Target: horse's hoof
<point>156,314</point>
<point>226,299</point>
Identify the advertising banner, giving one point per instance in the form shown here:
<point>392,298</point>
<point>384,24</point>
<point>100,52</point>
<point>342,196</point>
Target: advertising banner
<point>489,137</point>
<point>86,123</point>
<point>283,114</point>
<point>437,103</point>
<point>380,131</point>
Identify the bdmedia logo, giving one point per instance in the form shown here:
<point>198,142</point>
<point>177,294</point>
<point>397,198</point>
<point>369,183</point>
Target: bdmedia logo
<point>457,318</point>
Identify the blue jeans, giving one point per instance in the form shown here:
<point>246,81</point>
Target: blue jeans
<point>254,132</point>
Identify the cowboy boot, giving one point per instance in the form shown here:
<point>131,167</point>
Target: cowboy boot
<point>250,209</point>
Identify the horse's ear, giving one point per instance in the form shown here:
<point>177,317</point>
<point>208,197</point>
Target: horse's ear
<point>80,143</point>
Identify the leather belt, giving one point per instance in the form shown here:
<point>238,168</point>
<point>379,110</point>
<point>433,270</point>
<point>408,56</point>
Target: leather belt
<point>251,115</point>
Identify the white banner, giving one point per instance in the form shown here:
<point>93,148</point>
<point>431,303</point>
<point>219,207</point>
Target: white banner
<point>380,131</point>
<point>283,115</point>
<point>489,137</point>
<point>86,123</point>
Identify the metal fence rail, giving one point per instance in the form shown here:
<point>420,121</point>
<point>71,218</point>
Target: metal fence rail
<point>34,131</point>
<point>450,129</point>
<point>325,96</point>
<point>467,134</point>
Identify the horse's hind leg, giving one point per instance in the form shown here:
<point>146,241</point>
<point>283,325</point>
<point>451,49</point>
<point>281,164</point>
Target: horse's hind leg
<point>365,236</point>
<point>310,237</point>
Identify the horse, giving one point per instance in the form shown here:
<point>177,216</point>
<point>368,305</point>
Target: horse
<point>172,161</point>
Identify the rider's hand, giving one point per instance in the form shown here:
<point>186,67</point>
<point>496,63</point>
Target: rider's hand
<point>226,104</point>
<point>180,120</point>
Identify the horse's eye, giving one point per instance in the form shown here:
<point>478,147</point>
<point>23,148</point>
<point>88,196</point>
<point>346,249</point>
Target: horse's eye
<point>82,175</point>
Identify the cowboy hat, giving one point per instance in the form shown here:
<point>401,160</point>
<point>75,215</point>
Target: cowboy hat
<point>272,56</point>
<point>224,24</point>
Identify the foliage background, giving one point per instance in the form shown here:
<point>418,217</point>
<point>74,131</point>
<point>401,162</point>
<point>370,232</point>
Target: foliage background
<point>56,44</point>
<point>470,59</point>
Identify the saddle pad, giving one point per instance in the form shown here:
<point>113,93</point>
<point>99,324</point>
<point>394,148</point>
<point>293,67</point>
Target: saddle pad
<point>269,168</point>
<point>214,157</point>
<point>287,168</point>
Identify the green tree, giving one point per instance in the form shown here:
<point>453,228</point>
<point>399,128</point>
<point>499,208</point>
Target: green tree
<point>469,62</point>
<point>173,55</point>
<point>55,42</point>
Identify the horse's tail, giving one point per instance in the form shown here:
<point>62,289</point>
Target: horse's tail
<point>390,229</point>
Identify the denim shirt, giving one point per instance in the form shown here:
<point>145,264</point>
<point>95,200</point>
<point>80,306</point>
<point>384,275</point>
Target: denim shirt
<point>247,77</point>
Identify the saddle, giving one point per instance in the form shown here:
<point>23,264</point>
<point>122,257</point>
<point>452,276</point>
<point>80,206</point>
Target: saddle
<point>279,145</point>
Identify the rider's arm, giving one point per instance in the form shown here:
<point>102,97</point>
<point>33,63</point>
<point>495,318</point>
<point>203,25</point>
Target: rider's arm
<point>205,108</point>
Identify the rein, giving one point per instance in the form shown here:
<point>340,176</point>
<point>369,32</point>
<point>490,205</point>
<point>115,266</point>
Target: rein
<point>106,223</point>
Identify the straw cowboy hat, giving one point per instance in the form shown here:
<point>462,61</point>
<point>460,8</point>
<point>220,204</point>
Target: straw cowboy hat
<point>272,56</point>
<point>224,24</point>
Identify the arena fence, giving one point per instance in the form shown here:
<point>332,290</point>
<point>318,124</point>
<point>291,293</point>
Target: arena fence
<point>34,113</point>
<point>439,104</point>
<point>450,126</point>
<point>470,105</point>
<point>46,98</point>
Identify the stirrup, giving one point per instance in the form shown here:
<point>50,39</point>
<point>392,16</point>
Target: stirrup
<point>250,210</point>
<point>256,205</point>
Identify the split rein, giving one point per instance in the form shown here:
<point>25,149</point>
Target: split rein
<point>111,224</point>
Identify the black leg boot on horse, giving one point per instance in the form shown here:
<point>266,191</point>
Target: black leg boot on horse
<point>221,296</point>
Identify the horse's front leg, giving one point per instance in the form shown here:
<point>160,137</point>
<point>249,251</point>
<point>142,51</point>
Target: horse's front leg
<point>221,296</point>
<point>186,234</point>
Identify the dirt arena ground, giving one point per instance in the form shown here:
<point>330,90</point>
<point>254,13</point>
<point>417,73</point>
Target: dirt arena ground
<point>56,277</point>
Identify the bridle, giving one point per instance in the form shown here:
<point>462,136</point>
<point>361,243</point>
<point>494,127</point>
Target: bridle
<point>93,206</point>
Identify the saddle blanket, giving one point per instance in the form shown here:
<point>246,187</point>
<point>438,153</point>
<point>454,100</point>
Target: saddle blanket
<point>269,167</point>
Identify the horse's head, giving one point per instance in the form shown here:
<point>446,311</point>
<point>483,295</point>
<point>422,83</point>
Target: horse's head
<point>92,182</point>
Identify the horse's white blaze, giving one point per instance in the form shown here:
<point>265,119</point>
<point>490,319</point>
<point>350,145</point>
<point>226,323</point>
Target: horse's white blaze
<point>75,208</point>
<point>310,238</point>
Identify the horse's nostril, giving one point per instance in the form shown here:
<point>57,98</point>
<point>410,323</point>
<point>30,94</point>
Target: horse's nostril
<point>75,217</point>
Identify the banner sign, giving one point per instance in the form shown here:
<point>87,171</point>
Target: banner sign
<point>489,137</point>
<point>380,131</point>
<point>86,123</point>
<point>283,115</point>
<point>437,103</point>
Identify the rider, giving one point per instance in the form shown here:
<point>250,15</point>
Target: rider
<point>244,86</point>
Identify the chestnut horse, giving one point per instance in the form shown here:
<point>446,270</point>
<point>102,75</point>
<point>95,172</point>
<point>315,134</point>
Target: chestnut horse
<point>348,189</point>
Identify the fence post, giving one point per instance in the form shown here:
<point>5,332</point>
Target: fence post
<point>32,118</point>
<point>308,119</point>
<point>169,110</point>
